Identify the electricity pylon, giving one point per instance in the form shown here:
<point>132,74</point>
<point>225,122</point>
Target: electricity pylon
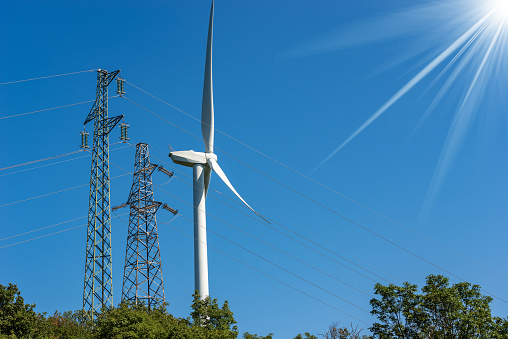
<point>98,289</point>
<point>142,280</point>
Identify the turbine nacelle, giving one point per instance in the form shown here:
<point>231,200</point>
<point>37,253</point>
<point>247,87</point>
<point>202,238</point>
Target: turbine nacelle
<point>191,158</point>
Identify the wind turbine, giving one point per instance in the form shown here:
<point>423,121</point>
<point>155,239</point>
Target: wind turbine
<point>202,165</point>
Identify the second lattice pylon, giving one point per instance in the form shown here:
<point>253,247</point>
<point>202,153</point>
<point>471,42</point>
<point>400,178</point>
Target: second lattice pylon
<point>142,281</point>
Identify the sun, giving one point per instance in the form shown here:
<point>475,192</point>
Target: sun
<point>500,9</point>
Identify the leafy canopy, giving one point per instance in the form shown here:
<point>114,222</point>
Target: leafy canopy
<point>440,311</point>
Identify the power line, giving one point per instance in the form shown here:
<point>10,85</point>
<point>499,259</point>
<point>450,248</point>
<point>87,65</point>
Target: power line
<point>53,108</point>
<point>42,228</point>
<point>320,204</point>
<point>267,244</point>
<point>277,223</point>
<point>48,194</point>
<point>55,163</point>
<point>358,224</point>
<point>230,256</point>
<point>153,96</point>
<point>47,235</point>
<point>309,240</point>
<point>58,162</point>
<point>43,236</point>
<point>278,266</point>
<point>295,240</point>
<point>321,184</point>
<point>43,195</point>
<point>166,120</point>
<point>297,192</point>
<point>285,269</point>
<point>47,109</point>
<point>273,247</point>
<point>46,77</point>
<point>266,274</point>
<point>39,160</point>
<point>276,230</point>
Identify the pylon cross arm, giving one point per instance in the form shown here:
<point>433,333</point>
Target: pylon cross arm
<point>111,76</point>
<point>112,122</point>
<point>93,113</point>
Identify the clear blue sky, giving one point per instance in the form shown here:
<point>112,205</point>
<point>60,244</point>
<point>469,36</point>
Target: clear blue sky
<point>293,80</point>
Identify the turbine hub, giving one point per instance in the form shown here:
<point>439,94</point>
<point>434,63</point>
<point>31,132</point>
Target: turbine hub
<point>210,156</point>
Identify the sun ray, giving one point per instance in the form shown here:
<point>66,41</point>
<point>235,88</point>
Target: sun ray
<point>409,85</point>
<point>459,54</point>
<point>451,80</point>
<point>458,130</point>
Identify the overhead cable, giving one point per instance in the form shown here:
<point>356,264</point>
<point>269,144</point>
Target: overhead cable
<point>355,223</point>
<point>64,190</point>
<point>271,246</point>
<point>284,269</point>
<point>276,230</point>
<point>267,244</point>
<point>268,275</point>
<point>47,235</point>
<point>42,228</point>
<point>43,236</point>
<point>39,160</point>
<point>46,109</point>
<point>53,108</point>
<point>58,162</point>
<point>306,197</point>
<point>324,186</point>
<point>46,77</point>
<point>318,203</point>
<point>269,261</point>
<point>37,167</point>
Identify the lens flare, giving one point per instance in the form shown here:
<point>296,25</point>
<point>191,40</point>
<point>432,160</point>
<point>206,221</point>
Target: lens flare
<point>471,44</point>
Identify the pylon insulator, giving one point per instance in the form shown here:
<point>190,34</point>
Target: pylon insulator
<point>119,86</point>
<point>172,210</point>
<point>84,140</point>
<point>165,171</point>
<point>123,132</point>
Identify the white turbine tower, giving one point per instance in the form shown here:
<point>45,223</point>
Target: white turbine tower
<point>202,165</point>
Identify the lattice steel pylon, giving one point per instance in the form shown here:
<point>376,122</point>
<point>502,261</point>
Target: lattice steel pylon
<point>98,287</point>
<point>142,280</point>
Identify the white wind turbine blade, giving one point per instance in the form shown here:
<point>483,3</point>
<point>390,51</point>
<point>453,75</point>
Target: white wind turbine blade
<point>216,168</point>
<point>207,128</point>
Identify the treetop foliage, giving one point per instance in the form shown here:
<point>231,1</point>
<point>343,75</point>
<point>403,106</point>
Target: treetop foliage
<point>16,317</point>
<point>439,311</point>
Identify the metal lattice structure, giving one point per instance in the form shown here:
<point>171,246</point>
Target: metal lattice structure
<point>98,287</point>
<point>142,281</point>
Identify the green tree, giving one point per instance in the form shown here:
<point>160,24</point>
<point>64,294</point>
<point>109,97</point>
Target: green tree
<point>336,332</point>
<point>440,311</point>
<point>64,325</point>
<point>129,321</point>
<point>247,335</point>
<point>16,317</point>
<point>306,335</point>
<point>207,314</point>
